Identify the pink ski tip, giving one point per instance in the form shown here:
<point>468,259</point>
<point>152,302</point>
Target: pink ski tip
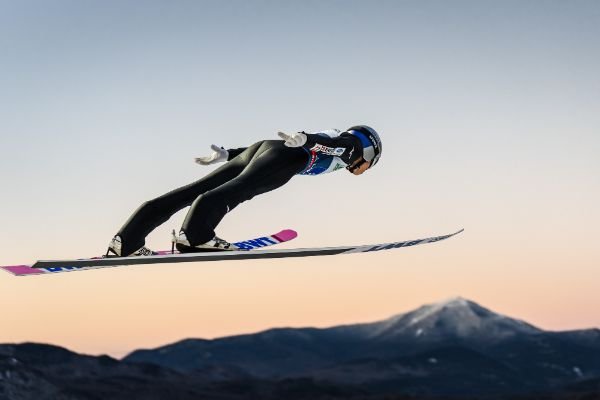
<point>285,235</point>
<point>22,270</point>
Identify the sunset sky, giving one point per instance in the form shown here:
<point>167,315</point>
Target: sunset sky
<point>489,114</point>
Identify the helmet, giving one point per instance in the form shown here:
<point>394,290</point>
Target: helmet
<point>370,141</point>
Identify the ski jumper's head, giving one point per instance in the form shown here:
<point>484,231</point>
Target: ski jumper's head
<point>371,148</point>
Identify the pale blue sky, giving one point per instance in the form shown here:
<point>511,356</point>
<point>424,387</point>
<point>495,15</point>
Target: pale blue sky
<point>488,110</point>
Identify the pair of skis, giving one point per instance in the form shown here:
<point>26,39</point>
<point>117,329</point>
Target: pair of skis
<point>249,250</point>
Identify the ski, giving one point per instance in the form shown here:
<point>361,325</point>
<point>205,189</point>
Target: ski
<point>68,266</point>
<point>54,266</point>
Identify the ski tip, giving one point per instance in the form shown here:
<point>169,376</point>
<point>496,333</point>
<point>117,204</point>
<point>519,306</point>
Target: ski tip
<point>285,235</point>
<point>20,270</point>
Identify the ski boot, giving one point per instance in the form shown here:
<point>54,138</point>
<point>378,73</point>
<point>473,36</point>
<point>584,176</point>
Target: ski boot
<point>215,244</point>
<point>115,246</point>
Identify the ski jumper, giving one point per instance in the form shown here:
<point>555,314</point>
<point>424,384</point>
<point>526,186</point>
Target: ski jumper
<point>248,172</point>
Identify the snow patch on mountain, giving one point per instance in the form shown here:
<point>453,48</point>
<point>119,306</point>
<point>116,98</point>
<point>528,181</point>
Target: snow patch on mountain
<point>455,317</point>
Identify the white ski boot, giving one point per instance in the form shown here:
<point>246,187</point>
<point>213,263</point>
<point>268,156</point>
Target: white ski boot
<point>115,246</point>
<point>215,244</point>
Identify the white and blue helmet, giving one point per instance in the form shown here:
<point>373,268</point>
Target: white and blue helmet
<point>370,141</point>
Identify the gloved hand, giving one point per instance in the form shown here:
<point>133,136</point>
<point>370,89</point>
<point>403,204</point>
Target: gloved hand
<point>294,140</point>
<point>219,155</point>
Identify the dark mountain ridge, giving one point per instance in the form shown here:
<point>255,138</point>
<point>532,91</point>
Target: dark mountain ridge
<point>453,322</point>
<point>523,356</point>
<point>452,348</point>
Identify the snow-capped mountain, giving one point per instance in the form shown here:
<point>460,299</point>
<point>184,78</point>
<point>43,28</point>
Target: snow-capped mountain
<point>456,318</point>
<point>456,323</point>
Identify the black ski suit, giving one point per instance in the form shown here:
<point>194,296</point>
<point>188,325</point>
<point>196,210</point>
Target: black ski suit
<point>260,168</point>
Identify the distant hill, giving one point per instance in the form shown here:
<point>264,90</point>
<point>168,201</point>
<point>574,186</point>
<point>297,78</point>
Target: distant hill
<point>451,348</point>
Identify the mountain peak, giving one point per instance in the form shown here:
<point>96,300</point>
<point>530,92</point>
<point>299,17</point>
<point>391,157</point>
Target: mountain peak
<point>454,317</point>
<point>455,301</point>
<point>451,305</point>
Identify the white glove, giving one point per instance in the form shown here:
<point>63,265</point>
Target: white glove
<point>219,155</point>
<point>294,140</point>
